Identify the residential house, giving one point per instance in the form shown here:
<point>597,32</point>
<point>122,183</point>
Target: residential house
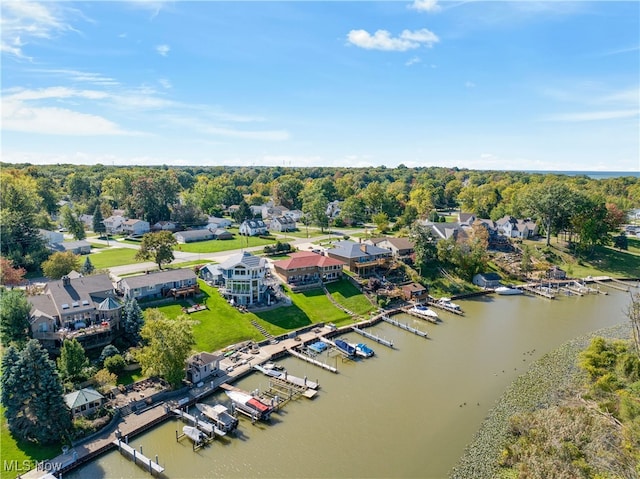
<point>333,209</point>
<point>51,237</point>
<point>445,230</point>
<point>165,226</point>
<point>84,402</point>
<point>113,224</point>
<point>496,241</point>
<point>214,222</point>
<point>221,234</point>
<point>487,280</point>
<point>399,247</point>
<point>466,219</point>
<point>201,366</point>
<point>191,236</point>
<point>84,308</point>
<point>272,211</point>
<point>282,224</point>
<point>306,268</point>
<point>87,220</point>
<point>515,228</point>
<point>556,273</point>
<point>135,227</point>
<point>174,282</point>
<point>76,247</point>
<point>297,215</point>
<point>253,227</point>
<point>361,258</point>
<point>243,275</point>
<point>415,292</point>
<point>211,273</point>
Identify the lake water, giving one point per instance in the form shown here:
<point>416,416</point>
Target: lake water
<point>408,412</point>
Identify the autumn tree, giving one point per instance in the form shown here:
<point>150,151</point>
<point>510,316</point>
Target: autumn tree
<point>10,275</point>
<point>167,345</point>
<point>60,264</point>
<point>14,317</point>
<point>157,247</point>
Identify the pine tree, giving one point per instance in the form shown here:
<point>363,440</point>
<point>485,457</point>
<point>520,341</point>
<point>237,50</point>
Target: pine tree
<point>8,381</point>
<point>36,409</point>
<point>98,225</point>
<point>14,317</point>
<point>72,360</point>
<point>87,267</point>
<point>133,320</point>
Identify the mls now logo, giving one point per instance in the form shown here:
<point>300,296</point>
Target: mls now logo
<point>28,464</point>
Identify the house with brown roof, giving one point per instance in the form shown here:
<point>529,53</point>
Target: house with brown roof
<point>84,307</point>
<point>306,269</point>
<point>360,258</point>
<point>399,247</point>
<point>415,292</point>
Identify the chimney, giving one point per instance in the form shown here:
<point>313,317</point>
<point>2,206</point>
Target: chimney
<point>66,281</point>
<point>363,247</point>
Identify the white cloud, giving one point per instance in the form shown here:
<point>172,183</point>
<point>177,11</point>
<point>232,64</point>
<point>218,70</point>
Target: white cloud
<point>382,40</point>
<point>412,61</point>
<point>18,116</point>
<point>79,76</point>
<point>469,84</point>
<point>165,83</point>
<point>593,115</point>
<point>425,5</point>
<point>163,50</point>
<point>20,94</point>
<point>24,21</point>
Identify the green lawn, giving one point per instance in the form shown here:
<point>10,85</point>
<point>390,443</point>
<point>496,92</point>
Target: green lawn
<point>113,257</point>
<point>214,246</point>
<point>20,451</point>
<point>347,295</point>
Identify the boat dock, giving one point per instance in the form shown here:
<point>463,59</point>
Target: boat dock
<point>311,360</point>
<point>372,337</point>
<point>614,286</point>
<point>420,316</point>
<point>288,378</point>
<point>444,307</point>
<point>406,327</point>
<point>205,426</point>
<point>538,290</point>
<point>138,457</point>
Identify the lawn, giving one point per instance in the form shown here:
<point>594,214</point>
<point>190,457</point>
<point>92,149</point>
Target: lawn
<point>20,451</point>
<point>347,295</point>
<point>215,246</point>
<point>113,257</point>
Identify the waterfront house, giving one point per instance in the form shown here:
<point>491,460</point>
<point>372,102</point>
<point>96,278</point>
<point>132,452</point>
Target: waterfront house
<point>201,366</point>
<point>253,227</point>
<point>441,231</point>
<point>174,282</point>
<point>191,236</point>
<point>84,308</point>
<point>401,248</point>
<point>415,292</point>
<point>282,224</point>
<point>305,269</point>
<point>51,237</point>
<point>84,402</point>
<point>487,280</point>
<point>243,275</point>
<point>211,273</point>
<point>113,224</point>
<point>556,273</point>
<point>516,228</point>
<point>135,227</point>
<point>361,258</point>
<point>76,247</point>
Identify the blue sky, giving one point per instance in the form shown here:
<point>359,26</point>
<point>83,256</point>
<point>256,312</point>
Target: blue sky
<point>521,85</point>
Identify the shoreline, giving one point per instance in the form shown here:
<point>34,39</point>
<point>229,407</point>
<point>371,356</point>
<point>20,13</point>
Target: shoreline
<point>546,381</point>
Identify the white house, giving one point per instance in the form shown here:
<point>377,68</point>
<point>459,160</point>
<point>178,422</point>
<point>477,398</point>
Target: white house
<point>214,222</point>
<point>135,227</point>
<point>243,275</point>
<point>515,228</point>
<point>295,214</point>
<point>253,227</point>
<point>114,223</point>
<point>282,223</point>
<point>191,236</point>
<point>87,220</point>
<point>165,226</point>
<point>174,282</point>
<point>487,280</point>
<point>202,365</point>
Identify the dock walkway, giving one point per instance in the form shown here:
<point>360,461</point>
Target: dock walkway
<point>373,337</point>
<point>406,327</point>
<point>138,457</point>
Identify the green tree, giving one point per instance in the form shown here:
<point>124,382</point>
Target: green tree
<point>72,223</point>
<point>60,264</point>
<point>35,408</point>
<point>525,263</point>
<point>132,321</point>
<point>98,225</point>
<point>243,212</point>
<point>424,245</point>
<point>14,317</point>
<point>72,361</point>
<point>381,220</point>
<point>115,364</point>
<point>105,380</point>
<point>157,247</point>
<point>551,202</point>
<point>87,267</point>
<point>153,194</point>
<point>108,351</point>
<point>353,210</point>
<point>315,210</point>
<point>167,346</point>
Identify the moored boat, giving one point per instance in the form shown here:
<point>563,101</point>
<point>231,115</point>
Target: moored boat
<point>318,346</point>
<point>447,304</point>
<point>425,312</point>
<point>250,405</point>
<point>193,433</point>
<point>220,416</point>
<point>345,347</point>
<point>364,350</point>
<point>507,291</point>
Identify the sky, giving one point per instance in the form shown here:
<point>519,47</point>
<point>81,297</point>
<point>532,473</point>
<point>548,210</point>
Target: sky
<point>522,85</point>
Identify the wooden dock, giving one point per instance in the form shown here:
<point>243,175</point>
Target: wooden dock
<point>406,327</point>
<point>288,378</point>
<point>545,293</point>
<point>610,285</point>
<point>373,337</point>
<point>205,426</point>
<point>308,359</point>
<point>138,457</point>
<point>443,307</point>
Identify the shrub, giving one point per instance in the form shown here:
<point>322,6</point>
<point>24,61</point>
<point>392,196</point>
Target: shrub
<point>115,364</point>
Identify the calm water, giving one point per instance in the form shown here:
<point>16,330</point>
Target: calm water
<point>407,412</point>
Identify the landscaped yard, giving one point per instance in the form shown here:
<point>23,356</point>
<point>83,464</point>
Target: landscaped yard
<point>215,246</point>
<point>108,258</point>
<point>347,295</point>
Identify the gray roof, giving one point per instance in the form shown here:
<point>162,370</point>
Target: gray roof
<point>194,234</point>
<point>158,277</point>
<point>244,258</point>
<point>351,249</point>
<point>109,304</point>
<point>444,230</point>
<point>72,245</point>
<point>82,397</point>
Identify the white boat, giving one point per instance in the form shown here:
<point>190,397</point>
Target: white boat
<point>193,433</point>
<point>223,421</point>
<point>363,350</point>
<point>427,313</point>
<point>506,290</point>
<point>446,303</point>
<point>250,405</point>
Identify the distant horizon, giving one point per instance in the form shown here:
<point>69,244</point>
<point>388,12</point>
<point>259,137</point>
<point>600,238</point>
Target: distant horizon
<point>482,85</point>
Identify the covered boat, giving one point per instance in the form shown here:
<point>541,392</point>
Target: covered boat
<point>250,405</point>
<point>220,416</point>
<point>345,347</point>
<point>318,346</point>
<point>193,433</point>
